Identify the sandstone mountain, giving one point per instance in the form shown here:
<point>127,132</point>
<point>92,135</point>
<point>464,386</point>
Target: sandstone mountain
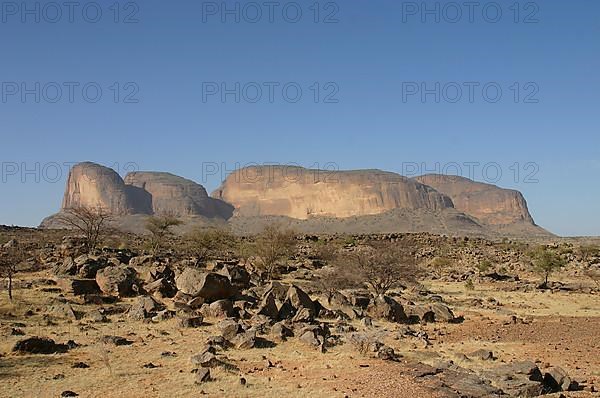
<point>314,201</point>
<point>488,203</point>
<point>141,193</point>
<point>302,193</point>
<point>171,194</point>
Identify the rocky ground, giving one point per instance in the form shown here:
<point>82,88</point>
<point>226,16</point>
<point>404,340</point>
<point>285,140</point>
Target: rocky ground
<point>123,323</point>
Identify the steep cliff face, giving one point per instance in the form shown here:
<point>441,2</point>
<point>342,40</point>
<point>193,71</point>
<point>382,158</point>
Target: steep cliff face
<point>92,185</point>
<point>178,196</point>
<point>488,203</point>
<point>302,193</point>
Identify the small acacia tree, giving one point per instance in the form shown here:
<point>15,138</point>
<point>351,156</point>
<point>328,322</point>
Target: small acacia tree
<point>210,243</point>
<point>11,255</point>
<point>271,246</point>
<point>382,266</point>
<point>92,222</point>
<point>546,262</point>
<point>160,229</point>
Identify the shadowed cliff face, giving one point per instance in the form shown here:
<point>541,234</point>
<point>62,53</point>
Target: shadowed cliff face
<point>488,203</point>
<point>303,193</point>
<point>92,185</point>
<point>175,195</point>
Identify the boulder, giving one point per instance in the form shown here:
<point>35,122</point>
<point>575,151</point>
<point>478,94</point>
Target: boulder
<point>62,310</point>
<point>229,328</point>
<point>280,332</point>
<point>117,281</point>
<point>556,379</point>
<point>384,307</point>
<point>66,267</point>
<point>202,376</point>
<point>191,322</point>
<point>245,341</point>
<point>268,307</point>
<point>144,307</point>
<point>78,287</point>
<point>208,285</point>
<point>220,309</point>
<point>39,345</point>
<point>205,359</point>
<point>299,299</point>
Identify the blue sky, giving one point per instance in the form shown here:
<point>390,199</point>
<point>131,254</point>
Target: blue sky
<point>156,111</point>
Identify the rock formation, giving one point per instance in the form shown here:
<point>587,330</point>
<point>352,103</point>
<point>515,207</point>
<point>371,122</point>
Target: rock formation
<point>92,185</point>
<point>302,193</point>
<point>147,193</point>
<point>313,201</point>
<point>488,203</point>
<point>176,195</point>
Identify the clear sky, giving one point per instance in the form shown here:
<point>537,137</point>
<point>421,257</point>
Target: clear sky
<point>368,73</point>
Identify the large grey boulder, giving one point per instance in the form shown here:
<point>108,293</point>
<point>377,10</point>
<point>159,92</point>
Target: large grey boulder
<point>208,285</point>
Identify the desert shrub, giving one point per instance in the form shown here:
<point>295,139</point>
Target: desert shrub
<point>210,243</point>
<point>381,266</point>
<point>587,252</point>
<point>160,229</point>
<point>323,251</point>
<point>546,261</point>
<point>441,263</point>
<point>484,266</point>
<point>469,285</point>
<point>272,246</point>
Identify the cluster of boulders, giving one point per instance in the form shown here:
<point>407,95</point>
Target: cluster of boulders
<point>250,313</point>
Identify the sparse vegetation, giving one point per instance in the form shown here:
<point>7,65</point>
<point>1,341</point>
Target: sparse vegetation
<point>160,228</point>
<point>92,222</point>
<point>484,266</point>
<point>588,252</point>
<point>381,267</point>
<point>469,285</point>
<point>271,247</point>
<point>209,243</point>
<point>11,254</point>
<point>546,261</point>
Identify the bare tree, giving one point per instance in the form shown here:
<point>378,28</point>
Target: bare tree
<point>272,246</point>
<point>11,255</point>
<point>92,222</point>
<point>381,266</point>
<point>160,229</point>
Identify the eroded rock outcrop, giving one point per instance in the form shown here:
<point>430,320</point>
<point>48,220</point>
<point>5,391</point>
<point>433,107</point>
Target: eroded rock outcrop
<point>303,193</point>
<point>488,203</point>
<point>176,195</point>
<point>140,193</point>
<point>93,185</point>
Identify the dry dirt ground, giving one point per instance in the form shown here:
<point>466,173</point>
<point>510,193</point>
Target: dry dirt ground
<point>559,329</point>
